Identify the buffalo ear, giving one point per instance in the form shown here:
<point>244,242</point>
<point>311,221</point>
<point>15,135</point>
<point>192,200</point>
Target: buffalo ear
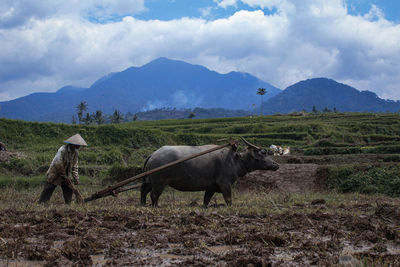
<point>267,151</point>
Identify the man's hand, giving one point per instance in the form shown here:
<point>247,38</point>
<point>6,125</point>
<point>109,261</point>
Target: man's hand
<point>75,181</point>
<point>79,198</point>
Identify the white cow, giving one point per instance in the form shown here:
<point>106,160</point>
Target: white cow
<point>279,151</point>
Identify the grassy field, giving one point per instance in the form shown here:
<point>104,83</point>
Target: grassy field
<point>354,218</point>
<point>350,143</point>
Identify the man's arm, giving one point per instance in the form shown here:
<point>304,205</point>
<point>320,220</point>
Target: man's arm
<point>78,195</point>
<point>75,168</point>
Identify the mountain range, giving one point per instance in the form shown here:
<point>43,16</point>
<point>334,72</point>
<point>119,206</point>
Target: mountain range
<point>327,93</point>
<point>162,83</point>
<point>166,83</point>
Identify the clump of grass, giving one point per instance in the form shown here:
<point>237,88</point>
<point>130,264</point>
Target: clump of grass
<point>368,180</point>
<point>20,182</point>
<point>21,166</point>
<point>332,150</point>
<point>119,172</point>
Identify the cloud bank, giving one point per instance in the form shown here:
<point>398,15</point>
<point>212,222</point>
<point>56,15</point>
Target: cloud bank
<point>48,45</point>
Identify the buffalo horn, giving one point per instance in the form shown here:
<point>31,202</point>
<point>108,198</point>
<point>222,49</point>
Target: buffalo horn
<point>250,144</point>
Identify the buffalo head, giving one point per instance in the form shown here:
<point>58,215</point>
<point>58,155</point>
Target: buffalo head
<point>257,158</point>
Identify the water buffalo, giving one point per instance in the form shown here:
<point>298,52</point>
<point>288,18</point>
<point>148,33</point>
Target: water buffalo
<point>212,172</point>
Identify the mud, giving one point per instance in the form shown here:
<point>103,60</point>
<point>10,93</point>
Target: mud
<point>307,233</point>
<point>292,178</point>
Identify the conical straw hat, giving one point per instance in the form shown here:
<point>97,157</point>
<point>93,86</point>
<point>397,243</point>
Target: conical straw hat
<point>76,140</point>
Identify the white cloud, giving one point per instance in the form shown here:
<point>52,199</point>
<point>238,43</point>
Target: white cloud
<point>226,3</point>
<point>19,12</point>
<point>206,11</point>
<point>154,105</point>
<point>304,39</point>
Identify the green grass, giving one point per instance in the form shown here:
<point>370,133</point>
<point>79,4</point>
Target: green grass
<point>348,128</point>
<point>24,182</point>
<point>366,179</point>
<point>20,182</point>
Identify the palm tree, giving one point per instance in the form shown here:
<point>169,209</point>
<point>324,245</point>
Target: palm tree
<point>261,92</point>
<point>98,117</point>
<point>81,108</point>
<point>89,119</point>
<point>117,117</point>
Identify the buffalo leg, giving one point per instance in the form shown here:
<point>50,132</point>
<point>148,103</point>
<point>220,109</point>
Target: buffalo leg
<point>144,190</point>
<point>155,194</point>
<point>207,197</point>
<point>226,192</point>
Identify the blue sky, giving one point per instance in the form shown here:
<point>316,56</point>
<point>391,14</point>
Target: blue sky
<point>173,9</point>
<point>391,8</point>
<point>47,44</point>
<point>167,10</point>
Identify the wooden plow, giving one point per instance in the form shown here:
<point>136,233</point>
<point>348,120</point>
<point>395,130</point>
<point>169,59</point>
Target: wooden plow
<point>114,190</point>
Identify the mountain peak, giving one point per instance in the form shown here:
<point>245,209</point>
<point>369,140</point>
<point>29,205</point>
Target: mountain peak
<point>163,61</point>
<point>318,81</point>
<point>326,93</point>
<point>170,65</point>
<point>70,88</point>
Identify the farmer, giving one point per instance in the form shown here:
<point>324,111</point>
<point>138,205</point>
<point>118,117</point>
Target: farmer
<point>63,165</point>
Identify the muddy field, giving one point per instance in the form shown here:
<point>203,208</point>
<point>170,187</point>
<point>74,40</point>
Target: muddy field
<point>260,229</point>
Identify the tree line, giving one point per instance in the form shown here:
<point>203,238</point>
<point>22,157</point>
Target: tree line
<point>325,110</point>
<point>98,117</point>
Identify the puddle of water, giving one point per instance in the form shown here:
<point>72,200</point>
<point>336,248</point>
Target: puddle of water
<point>21,263</point>
<point>167,256</point>
<point>284,256</point>
<point>98,260</point>
<point>21,225</point>
<point>221,249</point>
<point>349,250</point>
<point>164,255</point>
<point>58,244</point>
<point>393,250</point>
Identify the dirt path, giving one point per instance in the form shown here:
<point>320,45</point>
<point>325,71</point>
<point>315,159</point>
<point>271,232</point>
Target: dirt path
<point>293,178</point>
